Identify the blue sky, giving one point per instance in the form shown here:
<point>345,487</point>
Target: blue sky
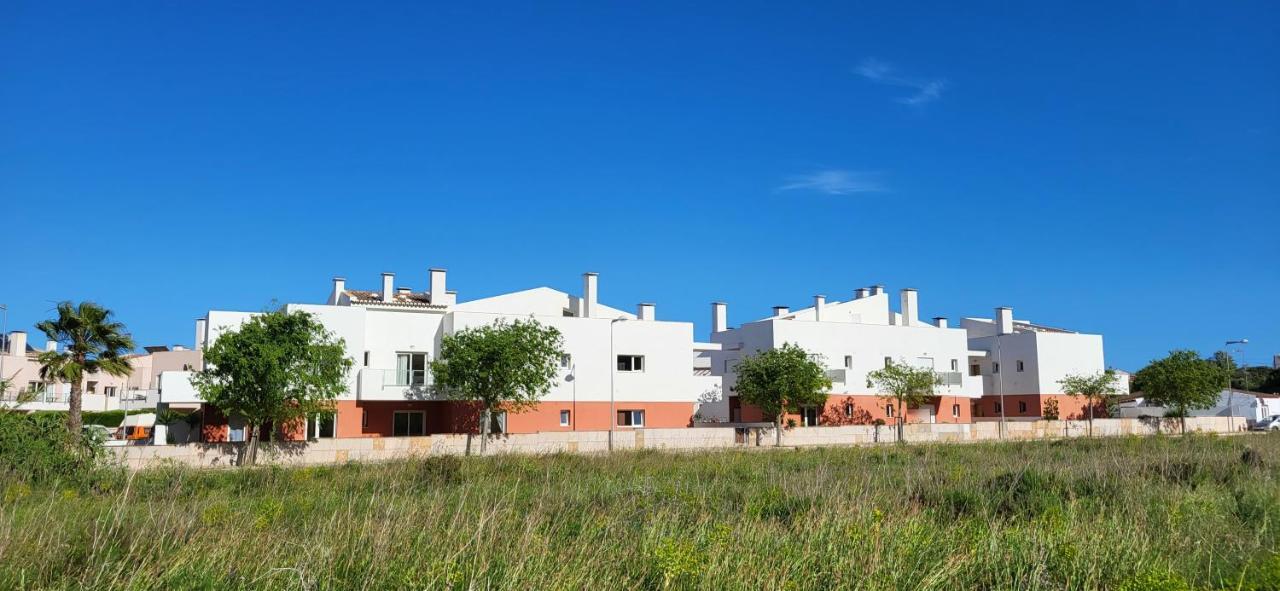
<point>1109,167</point>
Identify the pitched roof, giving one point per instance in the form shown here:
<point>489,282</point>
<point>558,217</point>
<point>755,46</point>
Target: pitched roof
<point>399,298</point>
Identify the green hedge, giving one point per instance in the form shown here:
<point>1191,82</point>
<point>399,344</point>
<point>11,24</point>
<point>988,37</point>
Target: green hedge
<point>109,418</point>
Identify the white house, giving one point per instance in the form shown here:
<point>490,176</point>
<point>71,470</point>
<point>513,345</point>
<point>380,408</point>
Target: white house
<point>621,370</point>
<point>1248,406</point>
<point>1022,363</point>
<point>852,338</point>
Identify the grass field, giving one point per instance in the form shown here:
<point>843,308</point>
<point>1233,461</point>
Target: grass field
<point>1136,513</point>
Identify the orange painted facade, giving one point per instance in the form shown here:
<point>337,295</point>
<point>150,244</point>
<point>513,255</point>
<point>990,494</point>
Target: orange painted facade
<point>1033,405</point>
<point>865,409</point>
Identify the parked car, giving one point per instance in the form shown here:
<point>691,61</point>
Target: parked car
<point>1271,423</point>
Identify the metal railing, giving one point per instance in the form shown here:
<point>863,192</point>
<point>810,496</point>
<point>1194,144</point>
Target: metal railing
<point>951,378</point>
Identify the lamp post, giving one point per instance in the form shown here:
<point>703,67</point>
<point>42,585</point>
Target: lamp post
<point>1231,393</point>
<point>1000,383</point>
<point>613,371</point>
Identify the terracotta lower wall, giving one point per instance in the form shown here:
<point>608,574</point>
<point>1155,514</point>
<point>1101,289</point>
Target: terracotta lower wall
<point>214,428</point>
<point>843,409</point>
<point>1033,405</point>
<point>375,418</point>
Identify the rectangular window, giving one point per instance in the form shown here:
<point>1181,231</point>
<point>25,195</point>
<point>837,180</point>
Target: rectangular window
<point>631,418</point>
<point>848,410</point>
<point>888,410</point>
<point>564,418</point>
<point>324,426</point>
<point>995,367</point>
<point>1020,365</point>
<point>498,422</point>
<point>109,390</point>
<point>999,408</point>
<point>366,359</point>
<point>364,418</point>
<point>848,361</point>
<point>235,431</point>
<point>975,370</point>
<point>1022,407</point>
<point>35,387</point>
<point>92,388</point>
<point>411,369</point>
<point>408,423</point>
<point>955,411</point>
<point>566,361</point>
<point>631,363</point>
<point>888,361</point>
<point>955,365</point>
<point>809,416</point>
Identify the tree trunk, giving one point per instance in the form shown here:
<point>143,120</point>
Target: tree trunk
<point>1090,401</point>
<point>484,428</point>
<point>902,420</point>
<point>251,454</point>
<point>74,420</point>
<point>1182,419</point>
<point>777,430</point>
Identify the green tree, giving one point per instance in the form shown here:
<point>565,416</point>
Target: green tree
<point>504,366</point>
<point>1096,389</point>
<point>1182,381</point>
<point>781,380</point>
<point>90,341</point>
<point>907,385</point>
<point>278,368</point>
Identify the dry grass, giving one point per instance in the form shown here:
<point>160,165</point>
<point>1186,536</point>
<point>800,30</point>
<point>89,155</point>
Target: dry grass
<point>1153,513</point>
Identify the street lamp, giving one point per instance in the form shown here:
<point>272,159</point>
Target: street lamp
<point>1231,393</point>
<point>613,371</point>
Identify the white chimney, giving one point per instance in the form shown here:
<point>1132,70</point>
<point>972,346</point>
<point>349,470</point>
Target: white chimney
<point>589,294</point>
<point>404,290</point>
<point>877,289</point>
<point>388,286</point>
<point>51,346</point>
<point>719,317</point>
<point>860,293</point>
<point>819,302</point>
<point>339,286</point>
<point>780,311</point>
<point>202,328</point>
<point>645,311</point>
<point>439,293</point>
<point>939,321</point>
<point>910,307</point>
<point>17,343</point>
<point>1004,320</point>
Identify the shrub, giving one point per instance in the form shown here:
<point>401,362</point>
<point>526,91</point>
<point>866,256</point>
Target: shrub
<point>37,448</point>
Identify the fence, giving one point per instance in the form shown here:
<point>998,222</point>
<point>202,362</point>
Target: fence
<point>331,451</point>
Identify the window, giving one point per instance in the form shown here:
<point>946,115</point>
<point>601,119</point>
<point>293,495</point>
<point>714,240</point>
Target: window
<point>92,388</point>
<point>888,361</point>
<point>955,411</point>
<point>323,426</point>
<point>975,370</point>
<point>186,367</point>
<point>809,416</point>
<point>364,418</point>
<point>109,391</point>
<point>366,359</point>
<point>631,418</point>
<point>35,387</point>
<point>999,409</point>
<point>631,363</point>
<point>729,365</point>
<point>564,418</point>
<point>955,365</point>
<point>995,367</point>
<point>848,410</point>
<point>888,410</point>
<point>411,369</point>
<point>566,361</point>
<point>235,431</point>
<point>408,423</point>
<point>848,361</point>
<point>1020,365</point>
<point>498,422</point>
<point>1022,407</point>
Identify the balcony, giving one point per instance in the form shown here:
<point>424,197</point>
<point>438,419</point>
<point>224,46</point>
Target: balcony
<point>951,378</point>
<point>390,384</point>
<point>838,376</point>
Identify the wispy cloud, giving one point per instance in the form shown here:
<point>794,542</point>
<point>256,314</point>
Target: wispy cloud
<point>925,89</point>
<point>835,182</point>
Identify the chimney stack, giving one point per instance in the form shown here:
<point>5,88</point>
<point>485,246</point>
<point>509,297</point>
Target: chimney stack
<point>1004,320</point>
<point>16,343</point>
<point>404,290</point>
<point>388,286</point>
<point>202,332</point>
<point>339,286</point>
<point>940,321</point>
<point>719,317</point>
<point>860,293</point>
<point>645,311</point>
<point>910,307</point>
<point>590,283</point>
<point>440,295</point>
<point>819,302</point>
<point>877,289</point>
<point>780,311</point>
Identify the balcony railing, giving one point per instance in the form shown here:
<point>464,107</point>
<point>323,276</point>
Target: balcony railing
<point>838,376</point>
<point>951,378</point>
<point>391,384</point>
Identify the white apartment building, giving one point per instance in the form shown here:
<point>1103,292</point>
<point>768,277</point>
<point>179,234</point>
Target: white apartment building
<point>1025,362</point>
<point>853,338</point>
<point>621,370</point>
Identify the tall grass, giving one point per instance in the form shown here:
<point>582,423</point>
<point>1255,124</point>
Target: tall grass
<point>1139,513</point>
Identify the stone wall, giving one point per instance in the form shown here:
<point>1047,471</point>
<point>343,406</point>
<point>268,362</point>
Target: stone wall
<point>331,451</point>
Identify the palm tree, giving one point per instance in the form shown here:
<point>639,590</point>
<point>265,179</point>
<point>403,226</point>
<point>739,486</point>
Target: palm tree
<point>91,342</point>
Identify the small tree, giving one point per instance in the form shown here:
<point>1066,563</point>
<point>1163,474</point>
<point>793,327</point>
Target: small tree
<point>1183,382</point>
<point>506,366</point>
<point>278,368</point>
<point>1094,388</point>
<point>1050,412</point>
<point>91,342</point>
<point>908,385</point>
<point>782,380</point>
